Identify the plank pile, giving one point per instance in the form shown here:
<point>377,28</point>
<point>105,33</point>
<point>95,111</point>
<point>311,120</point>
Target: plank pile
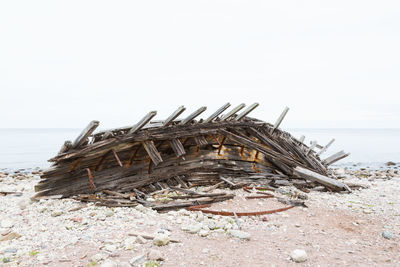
<point>126,166</point>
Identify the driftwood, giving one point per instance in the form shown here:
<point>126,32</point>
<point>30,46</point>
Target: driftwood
<point>125,166</point>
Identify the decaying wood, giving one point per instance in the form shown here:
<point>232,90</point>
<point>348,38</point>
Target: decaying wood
<point>125,166</point>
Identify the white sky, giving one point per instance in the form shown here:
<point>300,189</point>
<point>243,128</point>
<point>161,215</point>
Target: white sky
<point>65,63</point>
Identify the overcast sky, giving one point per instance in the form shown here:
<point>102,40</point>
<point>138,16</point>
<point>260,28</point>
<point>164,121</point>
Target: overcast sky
<point>65,63</point>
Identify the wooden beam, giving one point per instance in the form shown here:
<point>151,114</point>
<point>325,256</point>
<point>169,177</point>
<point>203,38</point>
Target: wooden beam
<point>217,113</point>
<point>313,145</point>
<point>85,134</point>
<point>142,122</point>
<point>246,111</point>
<point>201,141</point>
<point>301,139</point>
<point>153,152</point>
<point>177,147</point>
<point>326,147</point>
<point>280,119</point>
<point>321,179</point>
<point>174,115</point>
<point>232,112</point>
<point>191,117</point>
<point>335,157</point>
<point>65,147</point>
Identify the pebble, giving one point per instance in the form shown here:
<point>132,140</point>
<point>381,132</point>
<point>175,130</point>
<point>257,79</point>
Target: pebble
<point>110,248</point>
<point>203,233</point>
<point>240,234</point>
<point>155,255</point>
<point>140,240</point>
<point>298,255</point>
<point>194,229</point>
<point>109,263</point>
<point>160,239</point>
<point>7,223</point>
<point>98,257</point>
<point>129,243</point>
<point>109,213</point>
<point>56,213</point>
<point>387,234</point>
<point>137,260</point>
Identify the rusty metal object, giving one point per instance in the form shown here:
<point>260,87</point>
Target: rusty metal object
<point>203,209</point>
<point>92,185</point>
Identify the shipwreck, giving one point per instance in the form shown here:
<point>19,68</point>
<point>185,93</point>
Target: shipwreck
<point>126,166</point>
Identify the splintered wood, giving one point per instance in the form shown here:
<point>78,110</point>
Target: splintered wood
<point>127,166</point>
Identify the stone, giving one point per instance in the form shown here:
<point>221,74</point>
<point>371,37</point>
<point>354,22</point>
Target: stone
<point>129,243</point>
<point>298,255</point>
<point>98,257</point>
<point>110,248</point>
<point>109,213</point>
<point>109,263</point>
<point>10,236</point>
<point>137,260</point>
<point>240,234</point>
<point>140,240</point>
<point>155,255</point>
<point>390,163</point>
<point>56,213</point>
<point>160,239</point>
<point>11,250</point>
<point>6,223</point>
<point>194,229</point>
<point>203,233</point>
<point>387,234</point>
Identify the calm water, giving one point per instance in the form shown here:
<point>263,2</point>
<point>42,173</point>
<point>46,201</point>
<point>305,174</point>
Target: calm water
<point>29,148</point>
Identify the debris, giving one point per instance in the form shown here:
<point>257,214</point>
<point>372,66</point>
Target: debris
<point>387,234</point>
<point>147,236</point>
<point>160,239</point>
<point>10,236</point>
<point>298,255</point>
<point>142,164</point>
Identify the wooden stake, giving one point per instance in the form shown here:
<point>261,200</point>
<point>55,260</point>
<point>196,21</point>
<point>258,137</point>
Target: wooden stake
<point>142,122</point>
<point>85,134</point>
<point>280,119</point>
<point>232,112</point>
<point>174,115</point>
<point>246,111</point>
<point>193,115</point>
<point>217,113</point>
<point>325,147</point>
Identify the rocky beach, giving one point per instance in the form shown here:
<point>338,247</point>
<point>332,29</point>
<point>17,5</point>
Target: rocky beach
<point>335,229</point>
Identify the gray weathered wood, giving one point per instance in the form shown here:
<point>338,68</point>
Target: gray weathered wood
<point>217,113</point>
<point>66,146</point>
<point>142,122</point>
<point>325,147</point>
<point>313,145</point>
<point>301,139</point>
<point>316,177</point>
<point>153,152</point>
<point>85,134</point>
<point>335,157</point>
<point>280,119</point>
<point>232,112</point>
<point>201,141</point>
<point>174,115</point>
<point>246,111</point>
<point>191,117</point>
<point>177,147</point>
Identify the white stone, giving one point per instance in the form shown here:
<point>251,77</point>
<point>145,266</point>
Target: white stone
<point>194,229</point>
<point>7,223</point>
<point>140,240</point>
<point>161,239</point>
<point>109,263</point>
<point>110,248</point>
<point>298,255</point>
<point>129,243</point>
<point>98,257</point>
<point>137,260</point>
<point>56,213</point>
<point>240,234</point>
<point>203,233</point>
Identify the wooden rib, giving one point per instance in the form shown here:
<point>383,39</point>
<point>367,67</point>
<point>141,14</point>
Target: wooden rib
<point>232,112</point>
<point>280,119</point>
<point>217,113</point>
<point>117,158</point>
<point>246,111</point>
<point>326,147</point>
<point>177,147</point>
<point>142,122</point>
<point>192,116</point>
<point>174,115</point>
<point>152,152</point>
<point>85,134</point>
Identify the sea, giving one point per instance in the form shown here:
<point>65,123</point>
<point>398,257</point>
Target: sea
<point>31,148</point>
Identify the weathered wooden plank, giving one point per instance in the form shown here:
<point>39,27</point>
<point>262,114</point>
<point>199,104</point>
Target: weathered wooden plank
<point>301,139</point>
<point>246,111</point>
<point>217,113</point>
<point>192,116</point>
<point>142,122</point>
<point>201,141</point>
<point>324,180</point>
<point>335,157</point>
<point>153,152</point>
<point>280,119</point>
<point>313,145</point>
<point>174,115</point>
<point>326,147</point>
<point>85,134</point>
<point>177,147</point>
<point>65,147</point>
<point>232,112</point>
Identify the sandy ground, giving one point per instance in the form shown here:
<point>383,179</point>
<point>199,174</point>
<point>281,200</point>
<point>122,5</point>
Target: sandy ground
<point>335,230</point>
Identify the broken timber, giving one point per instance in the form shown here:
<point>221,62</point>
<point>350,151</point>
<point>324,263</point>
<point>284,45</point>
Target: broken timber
<point>124,166</point>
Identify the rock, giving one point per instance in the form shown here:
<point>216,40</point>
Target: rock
<point>109,213</point>
<point>7,223</point>
<point>22,204</point>
<point>110,248</point>
<point>203,233</point>
<point>194,229</point>
<point>136,261</point>
<point>298,255</point>
<point>109,263</point>
<point>98,257</point>
<point>390,163</point>
<point>129,243</point>
<point>240,234</point>
<point>56,213</point>
<point>155,255</point>
<point>140,240</point>
<point>211,225</point>
<point>367,211</point>
<point>161,239</point>
<point>387,234</point>
<point>11,250</point>
<point>10,236</point>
